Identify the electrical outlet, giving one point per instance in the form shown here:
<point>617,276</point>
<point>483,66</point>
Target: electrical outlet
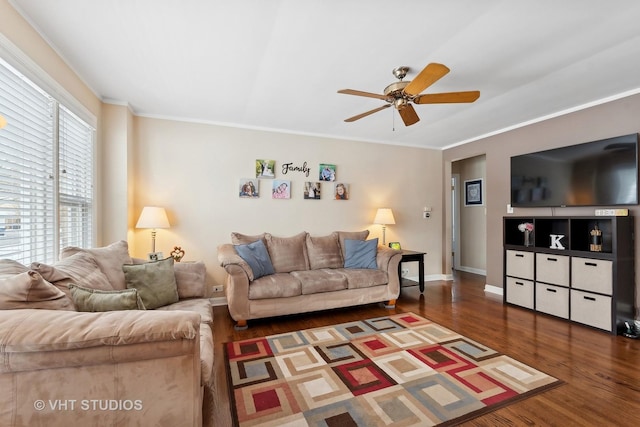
<point>218,288</point>
<point>405,272</point>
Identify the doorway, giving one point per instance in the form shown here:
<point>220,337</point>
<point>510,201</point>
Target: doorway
<point>468,221</point>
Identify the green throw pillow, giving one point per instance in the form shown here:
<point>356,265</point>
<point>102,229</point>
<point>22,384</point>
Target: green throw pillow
<point>155,282</point>
<point>87,299</point>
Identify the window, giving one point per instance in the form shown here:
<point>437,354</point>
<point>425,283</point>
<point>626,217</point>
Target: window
<point>46,173</point>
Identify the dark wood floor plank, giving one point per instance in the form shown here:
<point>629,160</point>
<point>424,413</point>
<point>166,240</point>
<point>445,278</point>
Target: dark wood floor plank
<point>601,371</point>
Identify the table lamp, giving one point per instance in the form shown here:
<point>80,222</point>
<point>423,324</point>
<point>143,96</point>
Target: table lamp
<point>153,217</point>
<point>384,216</point>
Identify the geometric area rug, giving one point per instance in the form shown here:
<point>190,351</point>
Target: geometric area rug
<point>397,370</point>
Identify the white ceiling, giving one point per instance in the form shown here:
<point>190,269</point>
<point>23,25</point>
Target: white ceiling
<point>277,64</point>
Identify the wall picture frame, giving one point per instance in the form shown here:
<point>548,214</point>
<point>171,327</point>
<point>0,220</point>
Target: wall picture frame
<point>265,169</point>
<point>341,191</point>
<point>249,188</point>
<point>312,190</point>
<point>327,172</point>
<point>473,192</point>
<point>281,189</point>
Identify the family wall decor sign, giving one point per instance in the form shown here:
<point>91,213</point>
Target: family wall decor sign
<point>265,169</point>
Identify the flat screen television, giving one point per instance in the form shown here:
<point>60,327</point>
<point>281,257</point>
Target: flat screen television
<point>598,173</point>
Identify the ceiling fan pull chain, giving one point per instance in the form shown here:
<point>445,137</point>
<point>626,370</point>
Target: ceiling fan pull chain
<point>393,120</point>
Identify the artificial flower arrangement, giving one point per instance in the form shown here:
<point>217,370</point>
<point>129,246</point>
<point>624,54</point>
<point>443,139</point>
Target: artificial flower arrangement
<point>526,226</point>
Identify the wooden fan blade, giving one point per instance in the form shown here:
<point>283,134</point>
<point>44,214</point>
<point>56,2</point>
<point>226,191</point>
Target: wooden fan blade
<point>409,115</point>
<point>448,97</point>
<point>428,76</point>
<point>361,93</point>
<point>359,116</point>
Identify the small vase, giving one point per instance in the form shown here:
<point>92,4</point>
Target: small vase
<point>528,238</point>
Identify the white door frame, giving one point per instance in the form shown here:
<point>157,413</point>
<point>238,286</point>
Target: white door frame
<point>455,220</point>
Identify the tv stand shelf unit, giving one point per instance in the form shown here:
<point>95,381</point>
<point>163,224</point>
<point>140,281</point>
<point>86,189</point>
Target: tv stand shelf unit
<point>562,277</point>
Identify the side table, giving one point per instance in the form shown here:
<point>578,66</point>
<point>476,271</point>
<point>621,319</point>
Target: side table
<point>417,256</point>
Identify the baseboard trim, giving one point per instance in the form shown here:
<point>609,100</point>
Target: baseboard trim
<point>218,301</point>
<point>432,277</point>
<point>493,289</point>
<point>472,270</point>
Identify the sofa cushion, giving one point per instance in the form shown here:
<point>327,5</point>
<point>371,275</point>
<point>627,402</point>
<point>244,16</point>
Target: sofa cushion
<point>87,299</point>
<point>324,252</point>
<point>364,277</point>
<point>29,290</point>
<point>9,267</point>
<point>80,268</point>
<point>351,235</point>
<point>202,306</point>
<point>316,281</point>
<point>191,279</point>
<point>109,258</point>
<point>360,253</point>
<point>255,254</point>
<point>279,285</point>
<point>288,253</point>
<point>155,282</point>
<point>244,239</point>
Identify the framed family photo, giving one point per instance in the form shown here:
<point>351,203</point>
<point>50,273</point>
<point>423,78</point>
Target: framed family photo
<point>327,172</point>
<point>249,188</point>
<point>265,168</point>
<point>473,192</point>
<point>281,189</point>
<point>312,190</point>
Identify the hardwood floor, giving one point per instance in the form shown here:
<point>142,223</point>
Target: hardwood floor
<point>601,371</point>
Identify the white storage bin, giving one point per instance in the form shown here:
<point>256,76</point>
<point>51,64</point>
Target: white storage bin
<point>591,309</point>
<point>520,264</point>
<point>553,269</point>
<point>520,292</point>
<point>594,275</point>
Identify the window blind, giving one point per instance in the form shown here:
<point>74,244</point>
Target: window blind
<point>40,210</point>
<point>75,180</point>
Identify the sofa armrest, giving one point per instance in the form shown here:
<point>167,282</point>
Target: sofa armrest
<point>237,291</point>
<point>388,260</point>
<point>30,337</point>
<point>384,257</point>
<point>148,358</point>
<point>227,256</point>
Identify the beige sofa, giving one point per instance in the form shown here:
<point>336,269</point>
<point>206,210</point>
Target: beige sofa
<point>309,274</point>
<point>127,367</point>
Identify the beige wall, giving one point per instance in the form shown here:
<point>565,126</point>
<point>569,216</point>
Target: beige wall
<point>473,219</point>
<point>19,33</point>
<point>612,119</point>
<point>194,171</point>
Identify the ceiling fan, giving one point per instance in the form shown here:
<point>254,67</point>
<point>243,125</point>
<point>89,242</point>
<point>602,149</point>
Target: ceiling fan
<point>402,94</point>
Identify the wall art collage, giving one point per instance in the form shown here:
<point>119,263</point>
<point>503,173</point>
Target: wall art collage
<point>280,188</point>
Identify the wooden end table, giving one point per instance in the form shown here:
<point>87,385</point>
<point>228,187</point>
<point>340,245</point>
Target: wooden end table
<point>417,256</point>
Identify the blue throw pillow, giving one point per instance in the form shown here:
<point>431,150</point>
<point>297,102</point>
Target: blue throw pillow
<point>255,254</point>
<point>360,253</point>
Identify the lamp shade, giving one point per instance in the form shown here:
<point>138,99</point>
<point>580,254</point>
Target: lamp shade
<point>384,216</point>
<point>153,217</point>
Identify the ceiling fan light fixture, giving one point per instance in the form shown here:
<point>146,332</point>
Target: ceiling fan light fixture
<point>400,103</point>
